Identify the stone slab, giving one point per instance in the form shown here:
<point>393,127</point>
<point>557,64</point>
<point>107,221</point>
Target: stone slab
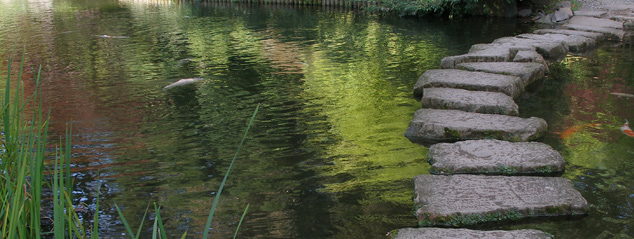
<point>551,50</point>
<point>469,101</point>
<point>597,14</point>
<point>595,22</point>
<point>495,157</point>
<point>594,35</point>
<point>435,126</point>
<point>529,72</point>
<point>575,43</point>
<point>451,233</point>
<point>463,200</point>
<point>611,29</point>
<point>468,80</point>
<point>485,55</point>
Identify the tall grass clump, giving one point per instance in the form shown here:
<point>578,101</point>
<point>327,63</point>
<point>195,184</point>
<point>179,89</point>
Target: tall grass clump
<point>22,154</point>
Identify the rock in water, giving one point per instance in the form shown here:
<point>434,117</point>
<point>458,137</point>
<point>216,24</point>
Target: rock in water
<point>182,82</point>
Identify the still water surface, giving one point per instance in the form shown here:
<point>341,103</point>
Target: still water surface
<point>326,157</point>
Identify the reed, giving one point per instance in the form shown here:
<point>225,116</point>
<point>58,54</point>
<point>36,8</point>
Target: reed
<point>22,156</point>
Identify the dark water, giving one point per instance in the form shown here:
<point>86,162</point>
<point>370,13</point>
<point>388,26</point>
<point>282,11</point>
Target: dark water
<point>326,157</point>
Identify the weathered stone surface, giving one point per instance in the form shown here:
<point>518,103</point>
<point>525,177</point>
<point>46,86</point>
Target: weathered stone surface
<point>511,47</point>
<point>462,200</point>
<point>628,21</point>
<point>470,101</point>
<point>551,50</point>
<point>562,14</point>
<point>530,56</point>
<point>593,35</point>
<point>597,14</point>
<point>527,71</point>
<point>468,80</point>
<point>450,233</point>
<point>434,126</point>
<point>486,55</point>
<point>495,157</point>
<point>611,29</point>
<point>575,43</point>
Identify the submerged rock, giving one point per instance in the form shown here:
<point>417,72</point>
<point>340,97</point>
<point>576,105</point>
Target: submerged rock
<point>183,82</point>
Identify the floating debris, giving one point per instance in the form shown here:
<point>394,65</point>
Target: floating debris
<point>114,37</point>
<point>626,129</point>
<point>622,94</point>
<point>182,82</point>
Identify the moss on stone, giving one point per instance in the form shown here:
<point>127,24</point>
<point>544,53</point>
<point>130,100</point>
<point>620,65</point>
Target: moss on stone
<point>427,219</point>
<point>546,169</point>
<point>507,170</point>
<point>452,134</point>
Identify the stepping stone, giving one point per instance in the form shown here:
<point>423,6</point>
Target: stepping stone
<point>594,35</point>
<point>463,200</point>
<point>628,21</point>
<point>611,29</point>
<point>495,157</point>
<point>527,71</point>
<point>530,56</point>
<point>449,233</point>
<point>468,80</point>
<point>574,43</point>
<point>493,54</point>
<point>551,50</point>
<point>470,101</point>
<point>434,126</point>
<point>597,14</point>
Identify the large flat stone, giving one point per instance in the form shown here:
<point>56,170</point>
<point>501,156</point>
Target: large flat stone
<point>595,22</point>
<point>529,72</point>
<point>485,55</point>
<point>450,233</point>
<point>597,14</point>
<point>575,43</point>
<point>468,80</point>
<point>434,126</point>
<point>470,101</point>
<point>550,49</point>
<point>611,29</point>
<point>594,35</point>
<point>462,200</point>
<point>495,157</point>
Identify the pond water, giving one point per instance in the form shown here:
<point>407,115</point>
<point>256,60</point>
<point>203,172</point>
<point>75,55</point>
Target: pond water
<point>326,156</point>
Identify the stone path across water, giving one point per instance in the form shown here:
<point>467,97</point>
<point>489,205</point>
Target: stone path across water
<point>497,73</point>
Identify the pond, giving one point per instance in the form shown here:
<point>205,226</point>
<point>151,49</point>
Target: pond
<point>326,156</point>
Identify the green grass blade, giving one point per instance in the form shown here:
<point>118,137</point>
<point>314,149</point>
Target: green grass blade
<point>224,180</point>
<point>241,219</point>
<point>125,223</point>
<point>138,232</point>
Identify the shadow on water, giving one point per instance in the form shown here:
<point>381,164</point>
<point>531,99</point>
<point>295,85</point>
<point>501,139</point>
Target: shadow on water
<point>326,157</point>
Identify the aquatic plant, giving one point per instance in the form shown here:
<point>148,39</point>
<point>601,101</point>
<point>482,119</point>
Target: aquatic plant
<point>22,156</point>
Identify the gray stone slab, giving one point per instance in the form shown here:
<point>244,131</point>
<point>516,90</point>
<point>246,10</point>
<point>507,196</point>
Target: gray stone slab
<point>485,55</point>
<point>575,43</point>
<point>530,56</point>
<point>511,47</point>
<point>462,200</point>
<point>451,233</point>
<point>628,21</point>
<point>597,14</point>
<point>527,71</point>
<point>595,22</point>
<point>435,126</point>
<point>468,80</point>
<point>495,157</point>
<point>594,35</point>
<point>470,101</point>
<point>611,29</point>
<point>551,50</point>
